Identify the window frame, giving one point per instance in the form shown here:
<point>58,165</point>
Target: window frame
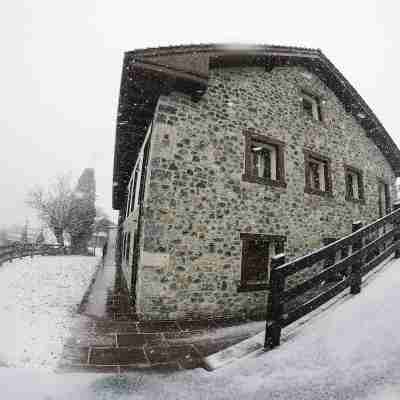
<point>128,247</point>
<point>129,199</point>
<point>124,246</point>
<point>316,109</point>
<point>272,240</point>
<point>248,175</point>
<point>311,155</point>
<point>387,197</point>
<point>136,178</point>
<point>360,184</point>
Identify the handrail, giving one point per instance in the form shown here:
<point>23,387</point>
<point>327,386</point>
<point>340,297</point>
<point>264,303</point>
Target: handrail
<point>300,263</point>
<point>349,271</point>
<point>336,267</point>
<point>19,250</point>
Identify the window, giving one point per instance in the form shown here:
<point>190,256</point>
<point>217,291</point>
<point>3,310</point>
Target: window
<point>123,245</point>
<point>383,198</point>
<point>138,175</point>
<point>264,160</point>
<point>354,184</point>
<point>311,106</point>
<point>318,177</point>
<point>137,178</point>
<point>257,250</point>
<point>133,191</point>
<point>128,246</point>
<point>129,199</point>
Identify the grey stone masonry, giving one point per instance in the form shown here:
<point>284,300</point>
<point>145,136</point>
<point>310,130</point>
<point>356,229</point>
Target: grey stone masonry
<point>197,203</point>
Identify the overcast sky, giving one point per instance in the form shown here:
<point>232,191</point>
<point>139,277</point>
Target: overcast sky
<point>61,68</point>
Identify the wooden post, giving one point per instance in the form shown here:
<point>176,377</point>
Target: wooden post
<point>330,260</point>
<point>355,287</point>
<point>396,225</point>
<point>274,306</point>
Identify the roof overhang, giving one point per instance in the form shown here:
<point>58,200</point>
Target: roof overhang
<point>148,73</point>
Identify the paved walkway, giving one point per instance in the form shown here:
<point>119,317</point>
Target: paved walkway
<point>104,294</point>
<point>108,338</point>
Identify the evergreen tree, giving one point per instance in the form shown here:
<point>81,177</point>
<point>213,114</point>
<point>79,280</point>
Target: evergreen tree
<point>24,234</point>
<point>83,212</point>
<point>40,238</point>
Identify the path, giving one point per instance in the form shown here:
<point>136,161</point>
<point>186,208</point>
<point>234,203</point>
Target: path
<point>103,288</point>
<point>108,338</point>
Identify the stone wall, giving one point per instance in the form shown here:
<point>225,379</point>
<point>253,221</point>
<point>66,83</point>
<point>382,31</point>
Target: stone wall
<point>196,203</point>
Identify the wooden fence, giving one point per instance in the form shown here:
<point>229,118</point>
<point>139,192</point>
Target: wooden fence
<point>341,264</point>
<point>18,250</point>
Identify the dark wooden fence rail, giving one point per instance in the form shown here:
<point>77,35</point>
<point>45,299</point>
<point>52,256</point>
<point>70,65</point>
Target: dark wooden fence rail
<point>342,263</point>
<point>17,250</point>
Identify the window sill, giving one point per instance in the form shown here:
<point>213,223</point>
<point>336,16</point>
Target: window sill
<point>318,192</point>
<point>310,120</point>
<point>243,287</point>
<point>262,181</point>
<point>316,122</point>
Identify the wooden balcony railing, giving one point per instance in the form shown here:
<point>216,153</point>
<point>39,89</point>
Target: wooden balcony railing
<point>341,264</point>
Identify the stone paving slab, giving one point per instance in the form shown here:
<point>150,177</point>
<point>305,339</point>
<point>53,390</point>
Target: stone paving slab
<point>113,327</point>
<point>140,339</point>
<point>182,336</point>
<point>158,326</point>
<point>118,356</point>
<point>114,340</point>
<point>197,325</point>
<point>171,349</point>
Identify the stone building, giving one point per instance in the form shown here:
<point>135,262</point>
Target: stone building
<point>227,155</point>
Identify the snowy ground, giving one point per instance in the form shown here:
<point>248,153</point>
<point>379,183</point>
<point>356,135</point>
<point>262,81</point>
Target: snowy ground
<point>350,351</point>
<point>38,299</point>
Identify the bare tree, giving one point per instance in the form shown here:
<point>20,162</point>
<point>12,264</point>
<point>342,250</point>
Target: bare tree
<point>54,205</point>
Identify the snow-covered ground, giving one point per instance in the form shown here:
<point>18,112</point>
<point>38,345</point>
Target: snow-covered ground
<point>350,351</point>
<point>38,300</point>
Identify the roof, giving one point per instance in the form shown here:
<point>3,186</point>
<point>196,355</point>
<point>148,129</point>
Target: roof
<point>148,73</point>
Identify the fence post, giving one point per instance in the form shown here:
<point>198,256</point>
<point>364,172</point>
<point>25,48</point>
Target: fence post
<point>274,306</point>
<point>330,260</point>
<point>355,287</point>
<point>396,225</point>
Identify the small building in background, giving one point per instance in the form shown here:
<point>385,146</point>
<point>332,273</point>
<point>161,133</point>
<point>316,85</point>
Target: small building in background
<point>98,239</point>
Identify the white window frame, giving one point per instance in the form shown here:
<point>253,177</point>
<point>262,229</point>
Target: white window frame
<point>355,184</point>
<point>321,173</point>
<point>274,161</point>
<point>314,105</point>
<point>133,196</point>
